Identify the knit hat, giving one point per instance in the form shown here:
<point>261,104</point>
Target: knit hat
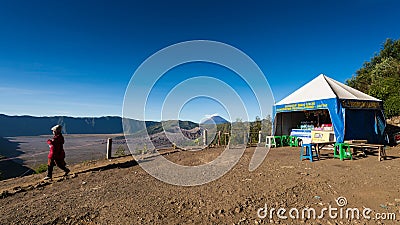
<point>56,128</point>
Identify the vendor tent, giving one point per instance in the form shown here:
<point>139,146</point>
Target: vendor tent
<point>354,115</point>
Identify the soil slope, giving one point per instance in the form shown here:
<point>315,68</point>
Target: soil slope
<point>120,192</point>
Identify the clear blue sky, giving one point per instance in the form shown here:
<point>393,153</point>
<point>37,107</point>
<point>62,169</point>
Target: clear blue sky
<point>76,58</point>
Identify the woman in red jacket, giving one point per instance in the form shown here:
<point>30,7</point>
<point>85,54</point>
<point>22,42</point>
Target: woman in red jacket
<point>56,155</point>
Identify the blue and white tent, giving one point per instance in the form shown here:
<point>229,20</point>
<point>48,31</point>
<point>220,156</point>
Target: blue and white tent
<point>354,114</point>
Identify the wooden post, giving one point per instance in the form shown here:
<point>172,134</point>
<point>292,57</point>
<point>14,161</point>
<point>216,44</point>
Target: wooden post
<point>109,148</point>
<point>219,138</point>
<point>259,137</point>
<point>204,137</point>
<point>226,136</point>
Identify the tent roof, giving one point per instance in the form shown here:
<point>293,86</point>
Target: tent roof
<point>323,87</point>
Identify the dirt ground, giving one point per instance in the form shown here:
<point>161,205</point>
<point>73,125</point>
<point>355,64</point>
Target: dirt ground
<point>121,192</point>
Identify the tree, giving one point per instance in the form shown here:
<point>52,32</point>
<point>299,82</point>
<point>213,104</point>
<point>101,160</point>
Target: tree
<point>267,125</point>
<point>255,127</point>
<point>381,77</point>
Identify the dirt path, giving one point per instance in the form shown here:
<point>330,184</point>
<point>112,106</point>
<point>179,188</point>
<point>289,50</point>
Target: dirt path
<point>120,192</point>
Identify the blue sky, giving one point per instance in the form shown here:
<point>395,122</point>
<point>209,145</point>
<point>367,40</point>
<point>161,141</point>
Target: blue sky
<point>76,58</point>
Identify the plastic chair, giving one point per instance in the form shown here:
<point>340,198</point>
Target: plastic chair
<point>285,140</point>
<point>278,141</point>
<point>342,151</point>
<point>307,152</point>
<point>270,142</point>
<point>293,141</point>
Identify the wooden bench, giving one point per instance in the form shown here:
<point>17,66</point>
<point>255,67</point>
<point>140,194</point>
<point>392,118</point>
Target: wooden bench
<point>364,146</point>
<point>356,144</point>
<point>356,141</point>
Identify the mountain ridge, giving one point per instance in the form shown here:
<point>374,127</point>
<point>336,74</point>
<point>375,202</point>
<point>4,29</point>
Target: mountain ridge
<point>215,120</point>
<point>26,125</point>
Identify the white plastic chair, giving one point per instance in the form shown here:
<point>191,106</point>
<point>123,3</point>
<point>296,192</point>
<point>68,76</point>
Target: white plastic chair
<point>270,142</point>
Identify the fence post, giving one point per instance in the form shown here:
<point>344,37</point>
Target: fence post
<point>219,138</point>
<point>109,148</point>
<point>259,137</point>
<point>204,137</point>
<point>245,138</point>
<point>226,136</point>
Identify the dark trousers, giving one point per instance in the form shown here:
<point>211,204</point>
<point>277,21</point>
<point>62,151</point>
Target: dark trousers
<point>59,162</point>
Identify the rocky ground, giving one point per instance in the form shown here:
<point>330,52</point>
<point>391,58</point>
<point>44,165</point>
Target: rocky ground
<point>120,192</point>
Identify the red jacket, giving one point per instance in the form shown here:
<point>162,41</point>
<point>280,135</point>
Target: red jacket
<point>56,147</point>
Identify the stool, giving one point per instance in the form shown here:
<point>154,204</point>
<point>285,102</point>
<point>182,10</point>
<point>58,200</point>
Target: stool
<point>307,152</point>
<point>278,141</point>
<point>285,140</point>
<point>293,141</point>
<point>270,142</point>
<point>342,151</point>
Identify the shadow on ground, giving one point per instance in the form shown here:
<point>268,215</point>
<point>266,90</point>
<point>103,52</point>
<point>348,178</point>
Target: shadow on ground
<point>9,166</point>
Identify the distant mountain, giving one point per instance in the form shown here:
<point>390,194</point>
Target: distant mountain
<point>32,126</point>
<point>11,126</point>
<point>169,126</point>
<point>215,120</point>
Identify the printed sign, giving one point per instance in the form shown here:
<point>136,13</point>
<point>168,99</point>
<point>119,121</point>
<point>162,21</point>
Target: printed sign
<point>313,105</point>
<point>360,104</point>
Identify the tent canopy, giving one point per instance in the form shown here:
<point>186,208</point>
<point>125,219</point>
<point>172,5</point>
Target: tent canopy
<point>323,87</point>
<point>348,108</point>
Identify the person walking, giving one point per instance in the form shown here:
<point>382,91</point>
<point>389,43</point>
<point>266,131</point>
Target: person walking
<point>56,154</point>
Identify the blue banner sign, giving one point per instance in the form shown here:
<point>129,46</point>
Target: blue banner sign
<point>301,106</point>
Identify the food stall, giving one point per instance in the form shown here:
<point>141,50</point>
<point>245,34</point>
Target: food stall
<point>325,110</point>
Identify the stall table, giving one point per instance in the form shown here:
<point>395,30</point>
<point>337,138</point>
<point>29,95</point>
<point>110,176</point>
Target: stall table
<point>319,145</point>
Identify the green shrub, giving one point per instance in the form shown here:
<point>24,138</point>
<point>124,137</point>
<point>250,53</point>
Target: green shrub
<point>120,151</point>
<point>41,168</point>
<point>144,151</point>
<point>88,162</point>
